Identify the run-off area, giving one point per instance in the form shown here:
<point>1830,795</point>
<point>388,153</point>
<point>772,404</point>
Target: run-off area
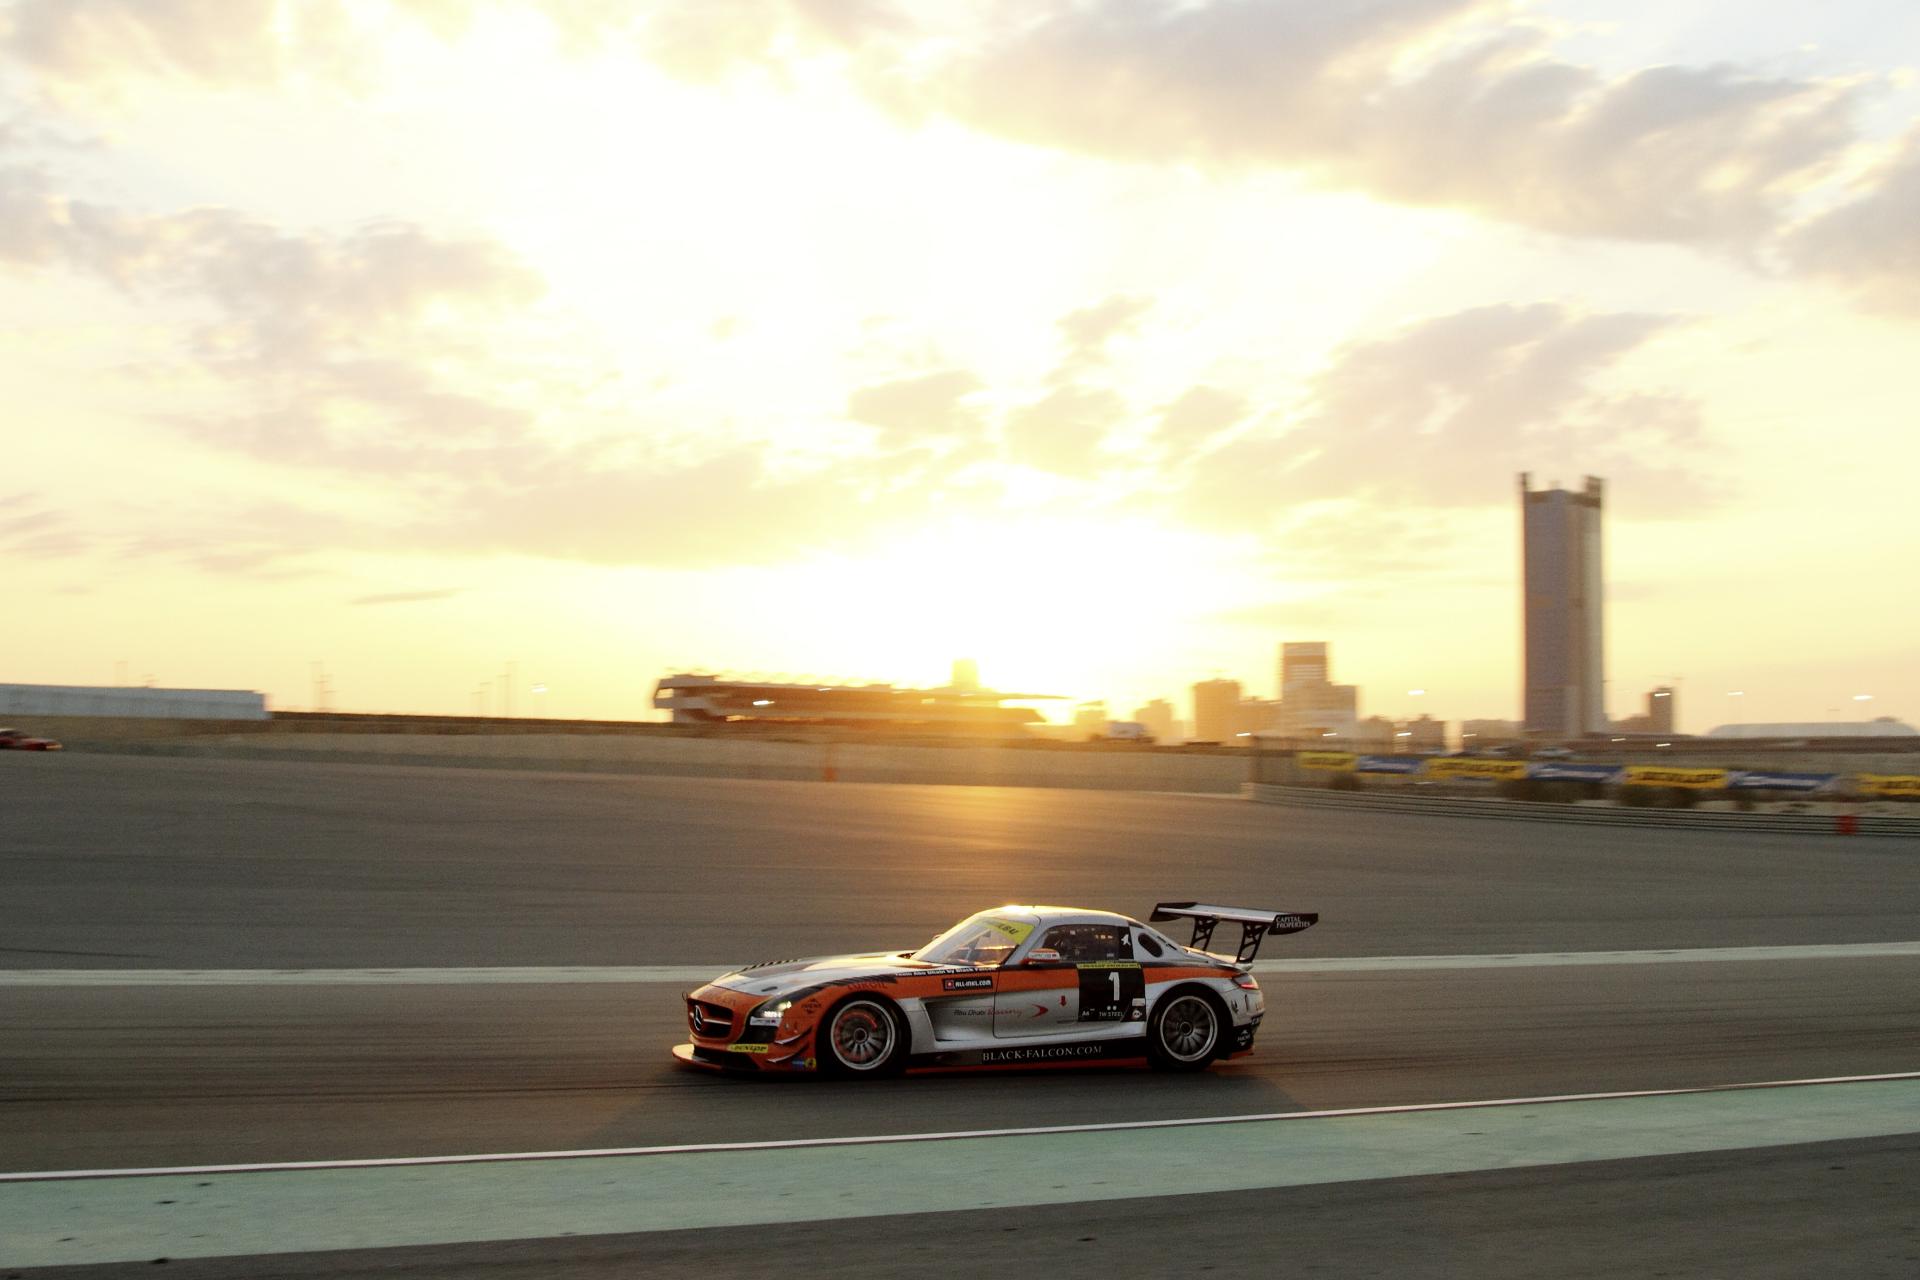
<point>207,1214</point>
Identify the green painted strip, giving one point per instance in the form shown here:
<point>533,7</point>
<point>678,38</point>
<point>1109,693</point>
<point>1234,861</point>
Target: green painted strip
<point>132,1219</point>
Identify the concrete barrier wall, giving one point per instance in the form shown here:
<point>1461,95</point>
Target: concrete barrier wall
<point>85,730</point>
<point>1870,820</point>
<point>984,765</point>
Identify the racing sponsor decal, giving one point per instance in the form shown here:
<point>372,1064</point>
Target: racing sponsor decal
<point>1653,775</point>
<point>1771,780</point>
<point>966,984</point>
<point>1108,989</point>
<point>1890,784</point>
<point>746,1048</point>
<point>1044,1053</point>
<point>1553,771</point>
<point>1339,760</point>
<point>1467,767</point>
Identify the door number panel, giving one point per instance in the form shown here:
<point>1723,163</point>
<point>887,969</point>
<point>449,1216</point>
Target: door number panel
<point>1112,991</point>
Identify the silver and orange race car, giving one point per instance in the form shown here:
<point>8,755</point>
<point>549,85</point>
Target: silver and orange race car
<point>1017,986</point>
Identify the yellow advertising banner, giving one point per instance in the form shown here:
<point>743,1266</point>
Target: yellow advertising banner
<point>1890,784</point>
<point>1469,767</point>
<point>1343,760</point>
<point>1655,775</point>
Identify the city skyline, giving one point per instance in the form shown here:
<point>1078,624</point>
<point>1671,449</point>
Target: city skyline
<point>417,338</point>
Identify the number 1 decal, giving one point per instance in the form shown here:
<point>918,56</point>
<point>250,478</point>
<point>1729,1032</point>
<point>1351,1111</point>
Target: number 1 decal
<point>1108,990</point>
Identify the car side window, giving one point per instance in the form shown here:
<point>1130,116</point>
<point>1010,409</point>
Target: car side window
<point>1148,945</point>
<point>1080,943</point>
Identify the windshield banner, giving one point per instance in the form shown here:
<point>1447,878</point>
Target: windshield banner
<point>1013,929</point>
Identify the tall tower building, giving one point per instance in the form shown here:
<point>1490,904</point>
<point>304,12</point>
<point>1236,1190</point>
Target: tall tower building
<point>1565,680</point>
<point>1216,710</point>
<point>1662,708</point>
<point>1303,662</point>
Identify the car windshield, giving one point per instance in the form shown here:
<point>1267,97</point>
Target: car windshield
<point>979,940</point>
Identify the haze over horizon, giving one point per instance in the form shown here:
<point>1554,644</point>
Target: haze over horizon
<point>1107,344</point>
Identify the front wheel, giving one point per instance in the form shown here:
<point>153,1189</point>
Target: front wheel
<point>863,1036</point>
<point>1186,1032</point>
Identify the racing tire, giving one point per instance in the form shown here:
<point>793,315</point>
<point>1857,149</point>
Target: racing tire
<point>1187,1032</point>
<point>863,1037</point>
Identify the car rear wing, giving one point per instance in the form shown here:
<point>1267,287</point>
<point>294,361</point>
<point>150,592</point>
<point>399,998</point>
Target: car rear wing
<point>1254,925</point>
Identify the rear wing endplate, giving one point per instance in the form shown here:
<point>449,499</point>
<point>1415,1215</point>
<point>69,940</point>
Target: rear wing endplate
<point>1254,925</point>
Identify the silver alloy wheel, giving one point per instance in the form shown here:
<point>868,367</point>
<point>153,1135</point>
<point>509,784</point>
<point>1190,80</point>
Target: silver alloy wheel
<point>862,1035</point>
<point>1188,1028</point>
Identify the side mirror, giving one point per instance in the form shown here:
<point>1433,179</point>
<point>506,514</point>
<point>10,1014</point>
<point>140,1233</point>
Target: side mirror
<point>1042,955</point>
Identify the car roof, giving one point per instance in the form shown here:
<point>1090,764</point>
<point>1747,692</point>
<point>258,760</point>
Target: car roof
<point>1061,915</point>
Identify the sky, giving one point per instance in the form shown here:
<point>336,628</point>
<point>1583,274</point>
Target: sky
<point>442,347</point>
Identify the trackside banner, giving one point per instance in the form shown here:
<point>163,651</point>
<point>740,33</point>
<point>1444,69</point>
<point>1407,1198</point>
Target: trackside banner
<point>1389,764</point>
<point>1768,780</point>
<point>1492,770</point>
<point>1653,775</point>
<point>1341,760</point>
<point>1555,772</point>
<point>1890,784</point>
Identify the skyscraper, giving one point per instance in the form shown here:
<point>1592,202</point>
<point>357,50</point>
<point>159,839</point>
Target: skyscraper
<point>1216,710</point>
<point>1302,662</point>
<point>1311,705</point>
<point>1565,678</point>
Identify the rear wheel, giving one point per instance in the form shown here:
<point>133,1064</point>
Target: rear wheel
<point>863,1036</point>
<point>1186,1033</point>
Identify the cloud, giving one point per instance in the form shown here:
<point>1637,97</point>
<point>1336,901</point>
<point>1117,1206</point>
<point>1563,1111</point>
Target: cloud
<point>1446,103</point>
<point>351,349</point>
<point>32,530</point>
<point>1442,412</point>
<point>404,597</point>
<point>1198,414</point>
<point>725,509</point>
<point>1870,246</point>
<point>911,409</point>
<point>1063,430</point>
<point>88,45</point>
<point>83,45</point>
<point>708,40</point>
<point>1089,329</point>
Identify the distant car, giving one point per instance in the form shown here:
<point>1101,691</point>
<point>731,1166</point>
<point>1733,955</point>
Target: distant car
<point>1016,986</point>
<point>14,740</point>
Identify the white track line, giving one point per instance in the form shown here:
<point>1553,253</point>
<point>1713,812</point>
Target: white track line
<point>881,1139</point>
<point>585,974</point>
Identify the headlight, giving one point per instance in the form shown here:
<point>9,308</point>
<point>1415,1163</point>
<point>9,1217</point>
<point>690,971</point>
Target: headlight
<point>769,1015</point>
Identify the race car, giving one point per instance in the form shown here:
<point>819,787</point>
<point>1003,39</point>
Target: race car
<point>1017,986</point>
<point>14,740</point>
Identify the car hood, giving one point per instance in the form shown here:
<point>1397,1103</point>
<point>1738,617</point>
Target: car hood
<point>784,977</point>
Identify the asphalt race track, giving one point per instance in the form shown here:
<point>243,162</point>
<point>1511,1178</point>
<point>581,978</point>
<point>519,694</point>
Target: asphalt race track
<point>111,864</point>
